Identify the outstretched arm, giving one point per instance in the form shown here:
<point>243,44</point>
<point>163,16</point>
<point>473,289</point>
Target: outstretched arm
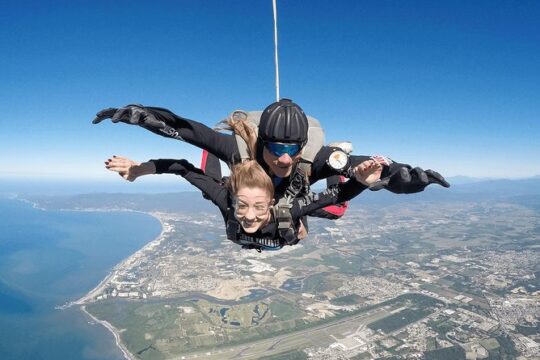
<point>215,192</point>
<point>396,177</point>
<point>130,170</point>
<point>404,179</point>
<point>163,122</point>
<point>365,174</point>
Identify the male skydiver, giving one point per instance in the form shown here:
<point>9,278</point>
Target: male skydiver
<point>282,134</point>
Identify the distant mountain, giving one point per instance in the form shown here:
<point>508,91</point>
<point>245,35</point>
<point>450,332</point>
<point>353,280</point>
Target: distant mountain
<point>523,191</point>
<point>500,189</point>
<point>503,186</point>
<point>460,179</point>
<point>187,201</point>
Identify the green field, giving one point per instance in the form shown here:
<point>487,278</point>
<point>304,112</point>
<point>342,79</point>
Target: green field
<point>400,319</point>
<point>351,299</point>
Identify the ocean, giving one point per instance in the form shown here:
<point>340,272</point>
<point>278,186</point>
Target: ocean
<point>48,258</point>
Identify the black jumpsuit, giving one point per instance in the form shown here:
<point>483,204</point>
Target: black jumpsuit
<point>221,197</point>
<point>224,146</point>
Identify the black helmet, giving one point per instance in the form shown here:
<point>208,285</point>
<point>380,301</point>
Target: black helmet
<point>284,121</point>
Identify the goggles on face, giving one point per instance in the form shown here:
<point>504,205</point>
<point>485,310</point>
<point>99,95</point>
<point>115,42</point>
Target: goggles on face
<point>278,149</point>
<point>242,208</point>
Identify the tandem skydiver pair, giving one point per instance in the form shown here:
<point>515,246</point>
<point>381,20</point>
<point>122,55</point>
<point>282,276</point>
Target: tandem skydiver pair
<point>288,147</point>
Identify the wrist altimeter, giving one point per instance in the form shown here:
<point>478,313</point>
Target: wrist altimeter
<point>339,160</point>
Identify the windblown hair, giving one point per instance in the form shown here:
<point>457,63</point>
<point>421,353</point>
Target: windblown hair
<point>249,174</point>
<point>243,129</point>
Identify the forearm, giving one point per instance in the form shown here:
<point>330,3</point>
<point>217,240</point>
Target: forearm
<point>320,168</point>
<point>172,166</point>
<point>195,133</point>
<point>145,168</point>
<point>216,192</point>
<point>335,194</point>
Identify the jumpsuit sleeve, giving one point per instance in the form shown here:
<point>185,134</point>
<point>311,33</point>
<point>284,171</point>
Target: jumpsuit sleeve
<point>332,195</point>
<point>193,132</point>
<point>321,169</point>
<point>216,192</point>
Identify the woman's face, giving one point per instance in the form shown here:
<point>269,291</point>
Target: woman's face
<point>252,208</point>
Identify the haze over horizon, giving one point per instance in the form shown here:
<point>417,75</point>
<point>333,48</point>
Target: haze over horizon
<point>448,86</point>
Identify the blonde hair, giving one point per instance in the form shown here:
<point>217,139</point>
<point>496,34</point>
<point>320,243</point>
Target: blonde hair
<point>243,129</point>
<point>249,174</point>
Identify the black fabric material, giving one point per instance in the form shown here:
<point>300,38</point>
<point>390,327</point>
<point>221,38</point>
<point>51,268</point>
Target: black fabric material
<point>398,178</point>
<point>220,196</point>
<point>213,167</point>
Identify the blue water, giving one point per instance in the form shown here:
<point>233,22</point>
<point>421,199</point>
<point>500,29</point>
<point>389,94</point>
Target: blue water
<point>50,257</point>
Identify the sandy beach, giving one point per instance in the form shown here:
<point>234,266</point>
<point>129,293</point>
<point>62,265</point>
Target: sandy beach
<point>114,331</point>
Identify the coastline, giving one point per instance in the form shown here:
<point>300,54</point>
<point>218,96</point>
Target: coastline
<point>81,302</point>
<point>86,298</point>
<point>116,333</point>
<point>93,293</point>
<point>96,290</point>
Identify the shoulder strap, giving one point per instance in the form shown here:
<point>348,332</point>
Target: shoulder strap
<point>233,226</point>
<point>298,186</point>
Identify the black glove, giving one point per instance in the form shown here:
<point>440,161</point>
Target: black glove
<point>404,180</point>
<point>137,115</point>
<point>130,114</point>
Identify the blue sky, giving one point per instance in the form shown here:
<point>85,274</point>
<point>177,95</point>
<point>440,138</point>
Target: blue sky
<point>453,86</point>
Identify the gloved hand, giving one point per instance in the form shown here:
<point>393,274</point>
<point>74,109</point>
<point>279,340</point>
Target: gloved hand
<point>135,114</point>
<point>404,180</point>
<point>131,114</point>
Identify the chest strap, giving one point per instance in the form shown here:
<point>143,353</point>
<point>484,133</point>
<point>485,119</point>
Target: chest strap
<point>298,186</point>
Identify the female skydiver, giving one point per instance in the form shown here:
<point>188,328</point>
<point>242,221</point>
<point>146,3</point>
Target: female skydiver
<point>246,200</point>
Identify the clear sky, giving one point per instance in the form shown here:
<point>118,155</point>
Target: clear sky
<point>448,85</point>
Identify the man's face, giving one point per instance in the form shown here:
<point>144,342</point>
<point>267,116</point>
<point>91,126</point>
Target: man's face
<point>282,165</point>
